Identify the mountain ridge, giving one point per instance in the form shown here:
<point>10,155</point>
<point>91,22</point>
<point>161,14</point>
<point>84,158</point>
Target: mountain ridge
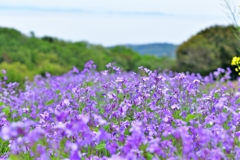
<point>158,49</point>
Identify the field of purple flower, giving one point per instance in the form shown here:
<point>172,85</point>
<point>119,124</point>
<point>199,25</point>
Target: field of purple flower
<point>117,115</point>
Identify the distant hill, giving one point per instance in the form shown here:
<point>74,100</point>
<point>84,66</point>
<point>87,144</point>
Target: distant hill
<point>158,49</point>
<point>23,56</point>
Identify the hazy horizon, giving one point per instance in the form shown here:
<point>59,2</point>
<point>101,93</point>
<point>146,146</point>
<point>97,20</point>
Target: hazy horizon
<point>116,22</point>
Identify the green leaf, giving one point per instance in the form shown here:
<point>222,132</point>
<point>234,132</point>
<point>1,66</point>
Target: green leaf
<point>6,110</point>
<point>134,106</point>
<point>120,96</point>
<point>50,102</point>
<point>216,95</point>
<point>192,116</point>
<point>13,157</point>
<point>176,114</point>
<point>4,146</point>
<point>194,100</point>
<point>208,126</point>
<point>149,156</point>
<point>106,127</point>
<point>143,147</point>
<point>1,103</point>
<point>225,126</point>
<point>96,129</point>
<point>149,110</point>
<point>238,101</point>
<point>57,91</point>
<point>173,124</point>
<point>236,141</point>
<point>89,83</point>
<point>101,146</point>
<point>81,106</point>
<point>127,132</point>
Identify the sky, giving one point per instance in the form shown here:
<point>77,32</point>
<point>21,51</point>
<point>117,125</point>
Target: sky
<point>115,22</point>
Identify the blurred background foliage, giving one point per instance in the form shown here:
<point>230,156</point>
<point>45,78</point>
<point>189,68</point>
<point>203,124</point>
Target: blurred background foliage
<point>209,49</point>
<point>25,56</point>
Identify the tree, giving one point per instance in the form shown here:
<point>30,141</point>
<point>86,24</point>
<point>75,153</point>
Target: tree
<point>209,49</point>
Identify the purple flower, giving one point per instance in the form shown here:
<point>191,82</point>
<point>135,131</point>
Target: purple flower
<point>175,107</point>
<point>75,70</point>
<point>6,133</point>
<point>159,115</point>
<point>136,127</point>
<point>43,153</point>
<point>75,155</point>
<point>119,80</point>
<point>137,101</point>
<point>216,154</point>
<point>109,65</point>
<point>112,147</point>
<point>126,148</point>
<point>237,153</point>
<point>4,71</point>
<point>84,118</point>
<point>66,102</point>
<point>99,119</point>
<point>102,135</point>
<point>116,157</point>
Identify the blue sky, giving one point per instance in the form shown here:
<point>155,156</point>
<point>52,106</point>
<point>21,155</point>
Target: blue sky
<point>111,22</point>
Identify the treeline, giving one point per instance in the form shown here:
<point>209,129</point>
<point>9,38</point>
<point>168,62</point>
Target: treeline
<point>209,49</point>
<point>25,56</point>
